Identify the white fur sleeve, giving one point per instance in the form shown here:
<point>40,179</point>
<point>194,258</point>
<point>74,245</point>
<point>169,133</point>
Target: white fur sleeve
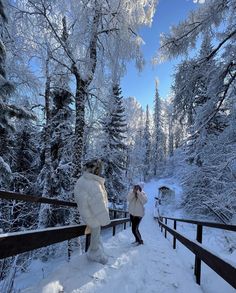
<point>98,204</point>
<point>142,197</point>
<point>130,196</point>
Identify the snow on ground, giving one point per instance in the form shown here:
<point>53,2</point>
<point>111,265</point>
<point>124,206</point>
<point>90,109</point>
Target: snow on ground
<point>222,243</point>
<point>152,267</point>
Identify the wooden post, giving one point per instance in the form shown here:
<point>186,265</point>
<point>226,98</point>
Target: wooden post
<point>114,231</point>
<point>68,250</point>
<point>174,238</point>
<point>165,229</point>
<point>87,242</point>
<point>125,222</point>
<point>197,268</point>
<point>161,220</point>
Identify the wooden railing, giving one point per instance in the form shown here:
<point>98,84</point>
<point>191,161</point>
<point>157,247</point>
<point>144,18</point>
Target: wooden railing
<point>226,270</point>
<point>18,242</point>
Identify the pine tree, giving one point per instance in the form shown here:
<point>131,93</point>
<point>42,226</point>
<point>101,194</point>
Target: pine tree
<point>147,145</point>
<point>114,148</point>
<point>25,168</point>
<point>56,154</point>
<point>205,88</point>
<point>158,136</point>
<point>170,127</point>
<point>8,112</point>
<point>135,118</point>
<point>62,138</point>
<point>194,102</point>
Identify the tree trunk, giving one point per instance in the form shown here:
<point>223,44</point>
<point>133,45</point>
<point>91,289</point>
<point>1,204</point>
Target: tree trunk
<point>81,95</point>
<point>47,169</point>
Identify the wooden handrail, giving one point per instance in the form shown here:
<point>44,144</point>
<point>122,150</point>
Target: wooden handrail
<point>15,243</point>
<point>19,242</point>
<point>34,199</point>
<point>118,211</point>
<point>7,195</point>
<point>226,270</point>
<point>206,224</point>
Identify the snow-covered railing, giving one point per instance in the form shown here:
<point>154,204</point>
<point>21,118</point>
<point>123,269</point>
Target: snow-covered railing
<point>226,270</point>
<point>15,243</point>
<point>7,195</point>
<point>18,242</point>
<point>34,199</point>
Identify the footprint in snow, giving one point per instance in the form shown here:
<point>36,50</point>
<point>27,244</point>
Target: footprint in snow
<point>175,285</point>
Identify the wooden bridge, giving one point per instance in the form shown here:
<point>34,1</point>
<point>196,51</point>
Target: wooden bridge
<point>18,242</point>
<point>34,239</point>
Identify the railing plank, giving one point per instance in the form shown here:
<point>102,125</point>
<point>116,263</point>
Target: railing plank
<point>116,222</point>
<point>206,224</point>
<point>19,242</point>
<point>226,270</point>
<point>42,200</point>
<point>15,243</point>
<point>119,211</point>
<point>34,199</point>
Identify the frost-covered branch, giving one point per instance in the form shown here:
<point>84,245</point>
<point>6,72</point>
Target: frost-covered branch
<point>183,36</point>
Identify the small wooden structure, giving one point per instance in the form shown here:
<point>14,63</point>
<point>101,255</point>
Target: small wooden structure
<point>165,195</point>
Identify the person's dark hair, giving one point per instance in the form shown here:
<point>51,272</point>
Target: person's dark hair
<point>138,186</point>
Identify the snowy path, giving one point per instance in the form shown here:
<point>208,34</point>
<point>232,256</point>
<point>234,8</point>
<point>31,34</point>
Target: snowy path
<point>152,267</point>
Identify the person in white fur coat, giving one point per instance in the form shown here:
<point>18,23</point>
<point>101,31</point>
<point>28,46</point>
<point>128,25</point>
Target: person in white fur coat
<point>91,198</point>
<point>137,199</point>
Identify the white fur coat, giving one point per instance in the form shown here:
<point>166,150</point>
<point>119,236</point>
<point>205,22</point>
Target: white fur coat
<point>91,198</point>
<point>136,203</point>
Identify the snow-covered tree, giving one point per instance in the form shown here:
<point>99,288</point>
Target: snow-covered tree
<point>62,135</point>
<point>204,88</point>
<point>169,126</point>
<point>135,118</point>
<point>147,146</point>
<point>6,110</point>
<point>92,29</point>
<point>10,111</point>
<point>114,148</point>
<point>158,135</point>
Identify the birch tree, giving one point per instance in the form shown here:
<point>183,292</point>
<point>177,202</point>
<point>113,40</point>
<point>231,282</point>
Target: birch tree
<point>91,28</point>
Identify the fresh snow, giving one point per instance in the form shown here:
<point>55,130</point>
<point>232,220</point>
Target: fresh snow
<point>152,267</point>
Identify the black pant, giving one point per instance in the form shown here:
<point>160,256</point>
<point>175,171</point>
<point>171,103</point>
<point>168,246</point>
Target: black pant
<point>135,221</point>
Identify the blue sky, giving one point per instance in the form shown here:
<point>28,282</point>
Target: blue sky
<point>142,85</point>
